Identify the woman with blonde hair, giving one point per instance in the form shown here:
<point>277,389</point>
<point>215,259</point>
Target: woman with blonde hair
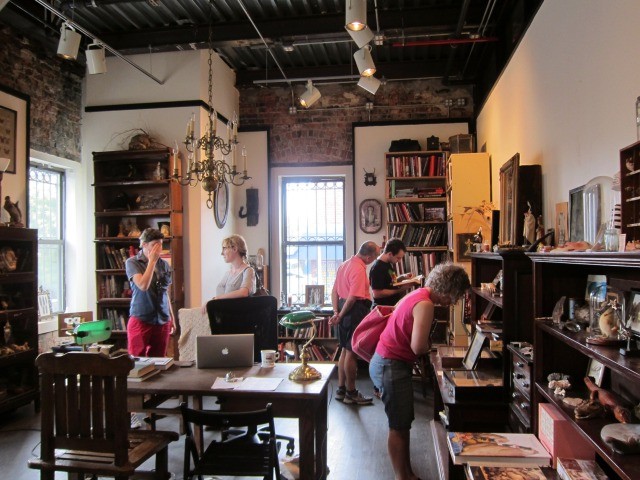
<point>240,279</point>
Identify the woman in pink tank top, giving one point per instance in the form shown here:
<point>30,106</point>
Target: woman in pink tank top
<point>404,339</point>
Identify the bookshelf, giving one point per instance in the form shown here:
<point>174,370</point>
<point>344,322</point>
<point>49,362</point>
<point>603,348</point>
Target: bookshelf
<point>630,191</point>
<point>133,192</point>
<point>324,347</point>
<point>416,207</point>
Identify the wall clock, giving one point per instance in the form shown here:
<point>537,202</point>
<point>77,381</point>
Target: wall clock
<point>221,204</point>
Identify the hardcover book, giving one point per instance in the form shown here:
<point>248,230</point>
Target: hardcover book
<point>511,473</point>
<point>572,469</point>
<point>161,363</point>
<point>144,377</point>
<point>497,449</point>
<point>141,368</point>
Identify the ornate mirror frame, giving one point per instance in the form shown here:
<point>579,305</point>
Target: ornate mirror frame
<point>221,204</point>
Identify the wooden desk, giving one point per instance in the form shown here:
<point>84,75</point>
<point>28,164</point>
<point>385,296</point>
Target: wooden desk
<point>305,401</point>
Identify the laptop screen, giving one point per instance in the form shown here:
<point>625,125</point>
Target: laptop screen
<point>224,351</point>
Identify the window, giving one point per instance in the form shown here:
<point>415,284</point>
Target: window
<point>314,234</point>
<point>46,207</point>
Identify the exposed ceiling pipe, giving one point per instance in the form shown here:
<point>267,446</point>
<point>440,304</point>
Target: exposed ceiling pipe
<point>444,41</point>
<point>246,12</point>
<point>488,12</point>
<point>375,4</point>
<point>97,40</point>
<point>459,27</point>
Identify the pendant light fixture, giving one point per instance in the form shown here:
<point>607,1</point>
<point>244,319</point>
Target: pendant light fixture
<point>370,84</point>
<point>69,43</point>
<point>96,62</point>
<point>310,96</point>
<point>355,14</point>
<point>364,62</point>
<point>361,37</point>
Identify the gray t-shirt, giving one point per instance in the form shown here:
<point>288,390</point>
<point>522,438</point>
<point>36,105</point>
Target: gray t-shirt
<point>230,283</point>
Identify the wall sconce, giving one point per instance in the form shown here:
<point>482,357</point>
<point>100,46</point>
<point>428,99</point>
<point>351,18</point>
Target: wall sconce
<point>364,62</point>
<point>69,42</point>
<point>355,14</point>
<point>310,96</point>
<point>361,37</point>
<point>96,62</point>
<point>370,84</point>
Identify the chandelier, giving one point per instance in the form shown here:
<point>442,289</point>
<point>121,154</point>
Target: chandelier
<point>212,172</point>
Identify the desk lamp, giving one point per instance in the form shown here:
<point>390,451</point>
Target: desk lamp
<point>87,333</point>
<point>294,321</point>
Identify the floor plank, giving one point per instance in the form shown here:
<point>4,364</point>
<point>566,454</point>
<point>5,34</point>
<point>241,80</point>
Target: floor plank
<point>356,448</point>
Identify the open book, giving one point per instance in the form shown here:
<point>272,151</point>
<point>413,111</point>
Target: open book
<point>417,280</point>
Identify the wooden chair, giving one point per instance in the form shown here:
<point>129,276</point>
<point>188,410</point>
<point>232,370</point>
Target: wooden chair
<point>241,455</point>
<point>85,423</point>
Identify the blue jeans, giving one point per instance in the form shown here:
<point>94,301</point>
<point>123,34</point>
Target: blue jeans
<point>394,378</point>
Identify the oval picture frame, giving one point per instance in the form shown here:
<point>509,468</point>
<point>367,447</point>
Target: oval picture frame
<point>221,204</point>
<point>370,216</point>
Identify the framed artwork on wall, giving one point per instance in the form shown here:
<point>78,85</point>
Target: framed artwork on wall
<point>464,244</point>
<point>509,200</point>
<point>370,216</point>
<point>221,204</point>
<point>8,137</point>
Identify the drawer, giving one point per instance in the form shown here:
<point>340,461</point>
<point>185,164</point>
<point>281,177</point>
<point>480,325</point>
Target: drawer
<point>516,422</point>
<point>520,403</point>
<point>521,377</point>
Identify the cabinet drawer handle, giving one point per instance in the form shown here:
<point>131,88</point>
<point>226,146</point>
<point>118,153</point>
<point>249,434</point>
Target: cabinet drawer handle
<point>518,376</point>
<point>525,385</point>
<point>514,395</point>
<point>524,406</point>
<point>519,364</point>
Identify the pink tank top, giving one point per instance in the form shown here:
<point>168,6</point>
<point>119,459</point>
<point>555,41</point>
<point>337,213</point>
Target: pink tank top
<point>395,340</point>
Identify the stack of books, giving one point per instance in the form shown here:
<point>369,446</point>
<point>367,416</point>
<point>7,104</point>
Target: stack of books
<point>141,371</point>
<point>161,363</point>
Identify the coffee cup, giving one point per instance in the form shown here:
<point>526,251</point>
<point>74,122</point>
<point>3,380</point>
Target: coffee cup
<point>269,358</point>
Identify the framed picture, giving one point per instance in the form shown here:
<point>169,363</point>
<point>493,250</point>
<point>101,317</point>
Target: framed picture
<point>562,223</point>
<point>221,204</point>
<point>67,320</point>
<point>633,313</point>
<point>464,246</point>
<point>509,200</point>
<point>314,294</point>
<point>596,371</point>
<point>478,341</point>
<point>8,136</point>
<point>370,216</point>
<point>576,214</point>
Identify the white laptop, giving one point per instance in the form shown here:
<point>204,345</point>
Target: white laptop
<point>224,351</point>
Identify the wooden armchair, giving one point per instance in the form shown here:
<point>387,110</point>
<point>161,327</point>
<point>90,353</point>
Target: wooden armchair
<point>85,423</point>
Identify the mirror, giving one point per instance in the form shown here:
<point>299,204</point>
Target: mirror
<point>576,214</point>
<point>509,200</point>
<point>596,198</point>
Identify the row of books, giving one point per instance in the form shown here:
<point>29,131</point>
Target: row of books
<point>114,257</point>
<point>117,318</point>
<point>112,286</point>
<point>420,235</point>
<point>318,351</point>
<point>414,212</point>
<point>423,191</point>
<point>323,330</point>
<point>419,263</point>
<point>416,165</point>
<point>515,455</point>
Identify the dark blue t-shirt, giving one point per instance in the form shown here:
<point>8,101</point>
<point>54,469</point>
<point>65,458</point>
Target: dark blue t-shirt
<point>150,306</point>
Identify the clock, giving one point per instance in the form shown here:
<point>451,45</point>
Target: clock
<point>221,204</point>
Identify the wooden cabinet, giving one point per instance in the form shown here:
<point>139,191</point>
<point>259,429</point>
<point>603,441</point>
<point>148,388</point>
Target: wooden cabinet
<point>416,207</point>
<point>520,390</point>
<point>18,317</point>
<point>557,350</point>
<point>324,347</point>
<point>133,192</point>
<point>630,191</point>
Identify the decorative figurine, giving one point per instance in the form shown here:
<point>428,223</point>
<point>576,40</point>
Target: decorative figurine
<point>160,173</point>
<point>14,212</point>
<point>529,231</point>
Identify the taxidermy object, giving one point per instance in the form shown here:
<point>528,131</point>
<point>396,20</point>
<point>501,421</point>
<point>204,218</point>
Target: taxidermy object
<point>142,141</point>
<point>608,323</point>
<point>610,401</point>
<point>370,178</point>
<point>253,208</point>
<point>15,214</point>
<point>591,409</point>
<point>149,201</point>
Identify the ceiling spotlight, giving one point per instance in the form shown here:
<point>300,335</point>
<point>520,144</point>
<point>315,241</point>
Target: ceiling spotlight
<point>361,37</point>
<point>310,96</point>
<point>288,47</point>
<point>448,102</point>
<point>368,106</point>
<point>378,39</point>
<point>364,62</point>
<point>96,63</point>
<point>370,84</point>
<point>293,110</point>
<point>356,14</point>
<point>69,42</point>
<point>461,102</point>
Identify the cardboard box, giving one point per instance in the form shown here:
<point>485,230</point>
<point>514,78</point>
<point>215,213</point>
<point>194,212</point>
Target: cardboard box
<point>559,437</point>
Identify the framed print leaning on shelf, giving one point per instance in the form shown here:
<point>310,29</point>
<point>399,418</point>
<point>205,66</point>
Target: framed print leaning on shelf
<point>314,294</point>
<point>464,243</point>
<point>633,313</point>
<point>562,223</point>
<point>596,371</point>
<point>370,216</point>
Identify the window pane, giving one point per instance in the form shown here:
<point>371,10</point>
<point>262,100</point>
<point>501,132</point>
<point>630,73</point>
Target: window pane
<point>45,214</point>
<point>313,209</point>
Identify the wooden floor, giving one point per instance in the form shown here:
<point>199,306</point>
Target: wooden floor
<point>357,447</point>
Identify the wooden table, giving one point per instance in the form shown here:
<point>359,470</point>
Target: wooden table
<point>305,401</point>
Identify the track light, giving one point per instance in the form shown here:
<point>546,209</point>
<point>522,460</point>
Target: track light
<point>361,37</point>
<point>370,84</point>
<point>69,42</point>
<point>364,62</point>
<point>96,63</point>
<point>356,14</point>
<point>310,96</point>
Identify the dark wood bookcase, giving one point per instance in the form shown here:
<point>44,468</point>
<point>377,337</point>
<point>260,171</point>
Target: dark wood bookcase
<point>557,350</point>
<point>133,187</point>
<point>630,191</point>
<point>19,319</point>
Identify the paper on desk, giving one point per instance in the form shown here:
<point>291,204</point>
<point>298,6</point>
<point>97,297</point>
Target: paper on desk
<point>255,383</point>
<point>222,384</point>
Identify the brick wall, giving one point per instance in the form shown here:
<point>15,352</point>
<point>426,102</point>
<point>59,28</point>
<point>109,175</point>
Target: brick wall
<point>323,134</point>
<point>55,88</point>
